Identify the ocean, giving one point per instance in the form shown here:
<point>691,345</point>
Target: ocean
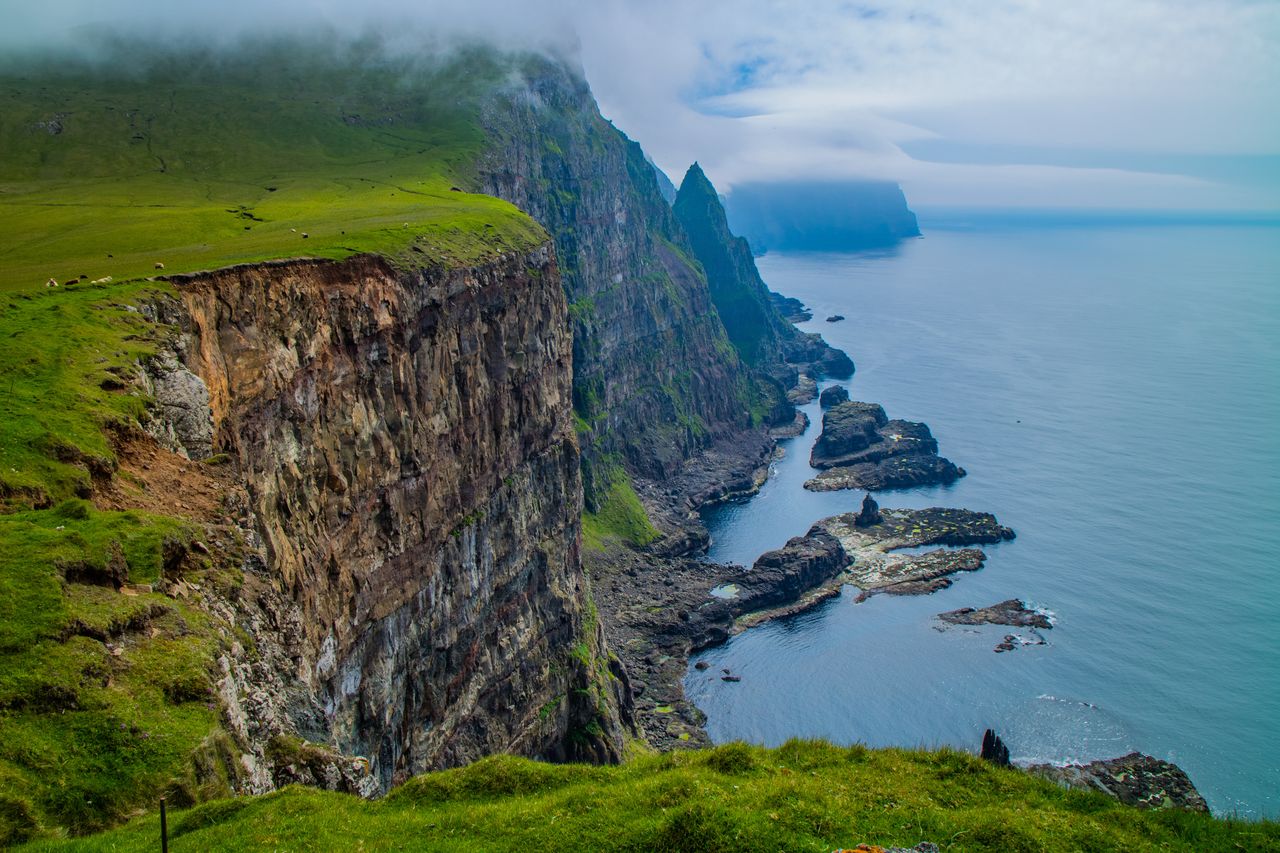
<point>1114,393</point>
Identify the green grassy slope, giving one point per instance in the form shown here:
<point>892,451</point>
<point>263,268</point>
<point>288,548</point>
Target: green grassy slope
<point>804,796</point>
<point>105,697</point>
<point>199,163</point>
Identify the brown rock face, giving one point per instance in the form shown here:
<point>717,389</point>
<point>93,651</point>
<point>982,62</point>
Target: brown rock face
<point>406,443</point>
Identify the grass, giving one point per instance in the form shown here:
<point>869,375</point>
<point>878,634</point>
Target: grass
<point>620,517</point>
<point>199,163</point>
<point>103,696</point>
<point>192,162</point>
<point>804,796</point>
<point>65,358</point>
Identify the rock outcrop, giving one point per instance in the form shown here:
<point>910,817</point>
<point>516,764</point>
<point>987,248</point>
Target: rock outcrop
<point>1134,779</point>
<point>658,611</point>
<point>410,468</point>
<point>994,749</point>
<point>833,395</point>
<point>869,514</point>
<point>874,548</point>
<point>1012,612</point>
<point>860,448</point>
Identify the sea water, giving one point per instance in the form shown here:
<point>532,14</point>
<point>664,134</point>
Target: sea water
<point>1114,393</point>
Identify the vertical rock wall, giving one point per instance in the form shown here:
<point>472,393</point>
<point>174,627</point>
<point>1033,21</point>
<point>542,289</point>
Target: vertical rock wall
<point>406,441</point>
<point>655,377</point>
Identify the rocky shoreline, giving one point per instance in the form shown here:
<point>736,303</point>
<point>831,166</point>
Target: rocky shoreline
<point>1135,779</point>
<point>664,603</point>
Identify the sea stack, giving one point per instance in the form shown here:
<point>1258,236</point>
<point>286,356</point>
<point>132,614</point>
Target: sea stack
<point>869,514</point>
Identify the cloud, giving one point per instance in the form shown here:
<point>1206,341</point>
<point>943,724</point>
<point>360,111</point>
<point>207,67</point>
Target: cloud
<point>761,89</point>
<point>770,89</point>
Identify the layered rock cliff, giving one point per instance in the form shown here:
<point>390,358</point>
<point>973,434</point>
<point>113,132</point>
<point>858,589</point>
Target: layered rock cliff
<point>406,444</point>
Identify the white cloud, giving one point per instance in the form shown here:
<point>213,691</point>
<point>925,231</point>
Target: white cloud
<point>774,89</point>
<point>832,88</point>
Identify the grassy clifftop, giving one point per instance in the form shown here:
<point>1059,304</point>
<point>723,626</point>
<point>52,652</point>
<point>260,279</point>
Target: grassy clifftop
<point>804,796</point>
<point>199,162</point>
<point>106,170</point>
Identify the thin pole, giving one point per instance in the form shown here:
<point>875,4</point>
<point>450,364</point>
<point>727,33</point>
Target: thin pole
<point>164,829</point>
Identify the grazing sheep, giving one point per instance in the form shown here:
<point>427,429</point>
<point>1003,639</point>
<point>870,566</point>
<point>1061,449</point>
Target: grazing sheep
<point>305,235</point>
<point>159,265</point>
<point>53,282</point>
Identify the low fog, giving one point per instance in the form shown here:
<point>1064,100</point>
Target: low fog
<point>1151,104</point>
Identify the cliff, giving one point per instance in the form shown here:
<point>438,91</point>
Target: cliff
<point>763,337</point>
<point>655,378</point>
<point>404,437</point>
<point>835,216</point>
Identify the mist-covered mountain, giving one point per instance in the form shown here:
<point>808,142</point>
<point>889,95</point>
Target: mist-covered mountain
<point>827,216</point>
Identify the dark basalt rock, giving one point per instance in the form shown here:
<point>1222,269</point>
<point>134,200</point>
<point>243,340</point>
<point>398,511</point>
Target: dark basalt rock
<point>1012,612</point>
<point>860,448</point>
<point>869,514</point>
<point>791,308</point>
<point>897,472</point>
<point>1134,779</point>
<point>847,429</point>
<point>835,318</point>
<point>642,597</point>
<point>994,750</point>
<point>833,395</point>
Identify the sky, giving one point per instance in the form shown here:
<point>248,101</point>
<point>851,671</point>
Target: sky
<point>1116,104</point>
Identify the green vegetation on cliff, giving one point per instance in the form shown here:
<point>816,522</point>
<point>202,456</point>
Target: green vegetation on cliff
<point>740,296</point>
<point>618,516</point>
<point>193,162</point>
<point>104,694</point>
<point>804,796</point>
<point>200,162</point>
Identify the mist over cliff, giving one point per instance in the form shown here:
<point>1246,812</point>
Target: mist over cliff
<point>836,216</point>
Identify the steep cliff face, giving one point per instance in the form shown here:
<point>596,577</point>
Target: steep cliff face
<point>762,336</point>
<point>755,327</point>
<point>655,378</point>
<point>406,443</point>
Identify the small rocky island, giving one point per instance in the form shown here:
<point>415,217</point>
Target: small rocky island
<point>1013,612</point>
<point>872,536</point>
<point>860,448</point>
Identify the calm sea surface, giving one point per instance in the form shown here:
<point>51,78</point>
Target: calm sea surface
<point>1114,394</point>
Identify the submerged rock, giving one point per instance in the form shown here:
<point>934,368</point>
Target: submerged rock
<point>1134,779</point>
